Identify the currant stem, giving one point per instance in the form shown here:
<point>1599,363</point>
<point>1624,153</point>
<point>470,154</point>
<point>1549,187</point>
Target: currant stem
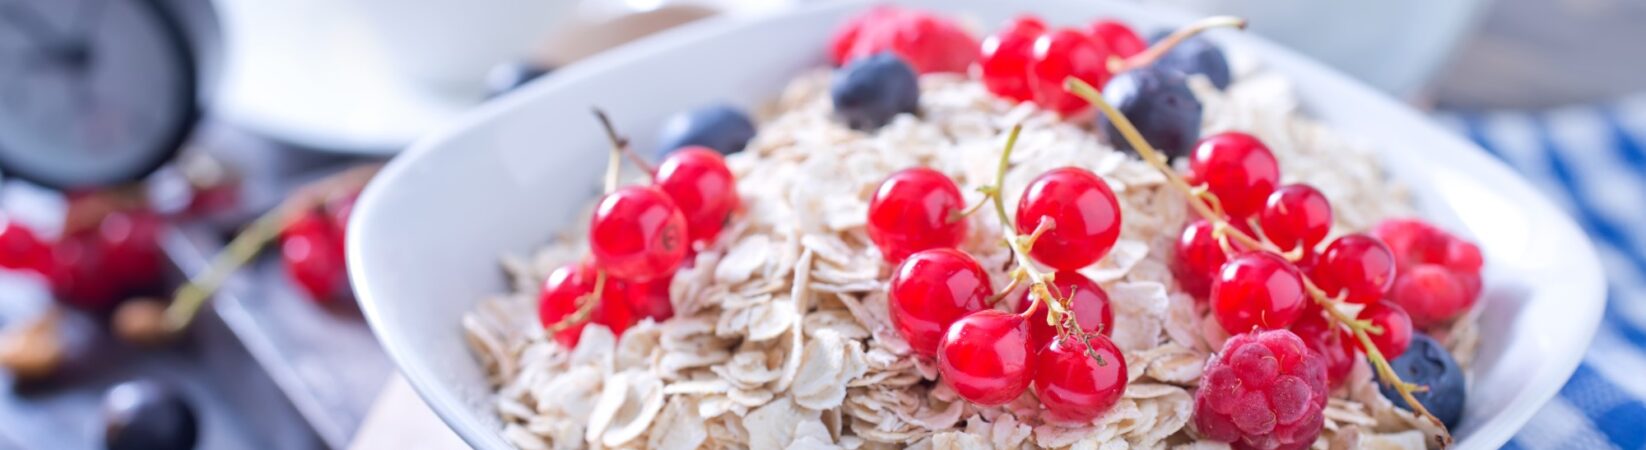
<point>620,144</point>
<point>1020,253</point>
<point>1202,203</point>
<point>585,306</point>
<point>1154,158</point>
<point>189,297</point>
<point>956,216</point>
<point>1017,280</point>
<point>1154,52</point>
<point>1046,224</point>
<point>245,246</point>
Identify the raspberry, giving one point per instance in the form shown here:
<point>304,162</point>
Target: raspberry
<point>840,45</point>
<point>1432,295</point>
<point>1439,273</point>
<point>1413,241</point>
<point>1265,390</point>
<point>926,41</point>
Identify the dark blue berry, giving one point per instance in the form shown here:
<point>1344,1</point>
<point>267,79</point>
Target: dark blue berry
<point>870,91</point>
<point>146,415</point>
<point>1426,363</point>
<point>1159,103</point>
<point>508,76</point>
<point>1197,55</point>
<point>721,127</point>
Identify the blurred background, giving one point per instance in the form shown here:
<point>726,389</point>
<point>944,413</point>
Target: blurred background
<point>144,143</point>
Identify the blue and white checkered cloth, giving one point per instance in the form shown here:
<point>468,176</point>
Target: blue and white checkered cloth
<point>1591,160</point>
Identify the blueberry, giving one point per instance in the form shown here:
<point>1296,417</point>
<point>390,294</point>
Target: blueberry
<point>146,415</point>
<point>1159,103</point>
<point>508,76</point>
<point>721,127</point>
<point>870,91</point>
<point>1196,55</point>
<point>1426,363</point>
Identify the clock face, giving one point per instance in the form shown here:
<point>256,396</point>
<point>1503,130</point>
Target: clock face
<point>92,92</point>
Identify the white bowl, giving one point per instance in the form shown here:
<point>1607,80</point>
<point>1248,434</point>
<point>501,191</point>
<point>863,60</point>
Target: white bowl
<point>424,242</point>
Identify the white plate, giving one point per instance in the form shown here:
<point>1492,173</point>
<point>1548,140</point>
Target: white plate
<point>424,242</point>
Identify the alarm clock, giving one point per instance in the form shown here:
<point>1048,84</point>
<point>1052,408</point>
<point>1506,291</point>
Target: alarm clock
<point>92,92</point>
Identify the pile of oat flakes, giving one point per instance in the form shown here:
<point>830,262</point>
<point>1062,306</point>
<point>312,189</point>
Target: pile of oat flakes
<point>781,337</point>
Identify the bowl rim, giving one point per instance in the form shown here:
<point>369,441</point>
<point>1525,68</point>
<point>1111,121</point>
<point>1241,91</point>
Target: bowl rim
<point>453,410</point>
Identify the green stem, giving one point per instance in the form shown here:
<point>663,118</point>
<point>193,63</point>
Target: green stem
<point>1009,233</point>
<point>245,246</point>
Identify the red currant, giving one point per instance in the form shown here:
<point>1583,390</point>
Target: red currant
<point>1257,290</point>
<point>1332,342</point>
<point>1087,300</point>
<point>651,299</point>
<point>1357,266</point>
<point>697,179</point>
<point>931,290</point>
<point>340,209</point>
<point>1396,325</point>
<point>1061,54</point>
<point>20,248</point>
<point>1296,215</point>
<point>1085,217</point>
<point>1238,169</point>
<point>1431,294</point>
<point>985,357</point>
<point>1006,56</point>
<point>1077,382</point>
<point>131,248</point>
<point>1027,21</point>
<point>1198,258</point>
<point>561,292</point>
<point>76,275</point>
<point>637,234</point>
<point>1118,37</point>
<point>312,255</point>
<point>913,210</point>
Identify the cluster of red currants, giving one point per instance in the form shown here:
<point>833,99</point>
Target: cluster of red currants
<point>311,249</point>
<point>639,236</point>
<point>942,302</point>
<point>1026,61</point>
<point>1252,286</point>
<point>95,266</point>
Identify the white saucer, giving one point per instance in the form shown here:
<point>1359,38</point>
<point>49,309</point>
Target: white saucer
<point>308,72</point>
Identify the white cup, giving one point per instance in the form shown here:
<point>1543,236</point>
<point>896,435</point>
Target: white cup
<point>450,44</point>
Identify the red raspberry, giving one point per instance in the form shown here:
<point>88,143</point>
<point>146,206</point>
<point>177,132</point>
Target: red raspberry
<point>1414,241</point>
<point>1265,390</point>
<point>1432,295</point>
<point>845,38</point>
<point>1439,273</point>
<point>926,41</point>
<point>1462,256</point>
